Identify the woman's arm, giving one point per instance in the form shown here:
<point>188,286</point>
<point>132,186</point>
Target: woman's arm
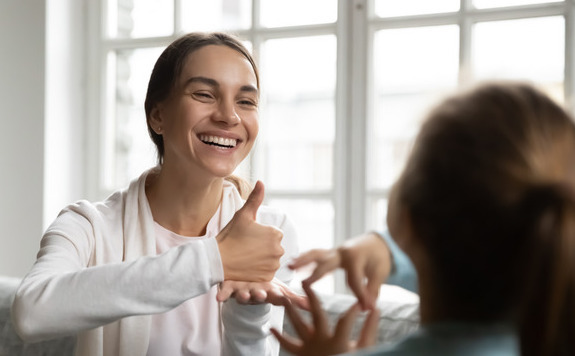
<point>61,295</point>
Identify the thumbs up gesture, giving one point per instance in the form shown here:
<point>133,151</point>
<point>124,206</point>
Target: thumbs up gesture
<point>250,251</point>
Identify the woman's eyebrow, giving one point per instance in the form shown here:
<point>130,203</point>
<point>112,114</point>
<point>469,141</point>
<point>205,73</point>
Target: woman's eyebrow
<point>204,80</point>
<point>249,89</point>
<point>213,83</point>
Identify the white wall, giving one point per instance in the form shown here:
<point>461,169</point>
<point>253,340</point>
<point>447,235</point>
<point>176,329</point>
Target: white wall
<point>40,107</point>
<point>22,46</point>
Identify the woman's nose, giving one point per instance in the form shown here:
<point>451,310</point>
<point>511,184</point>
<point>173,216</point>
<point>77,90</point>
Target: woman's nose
<point>227,113</point>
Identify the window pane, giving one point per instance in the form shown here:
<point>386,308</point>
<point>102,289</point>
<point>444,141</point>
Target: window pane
<point>140,18</point>
<point>482,4</point>
<point>132,150</point>
<point>295,146</point>
<point>377,214</point>
<point>297,12</point>
<point>527,49</point>
<point>314,220</point>
<point>390,8</point>
<point>214,15</point>
<point>412,68</point>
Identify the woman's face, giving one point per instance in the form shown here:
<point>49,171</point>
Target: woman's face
<point>210,120</point>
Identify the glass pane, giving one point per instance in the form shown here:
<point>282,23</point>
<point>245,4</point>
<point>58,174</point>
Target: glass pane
<point>314,221</point>
<point>376,219</point>
<point>482,4</point>
<point>140,18</point>
<point>413,67</point>
<point>297,12</point>
<point>390,8</point>
<point>295,148</point>
<point>527,49</point>
<point>215,15</point>
<point>132,150</point>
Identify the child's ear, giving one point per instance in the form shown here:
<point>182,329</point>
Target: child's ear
<point>398,218</point>
<point>394,212</point>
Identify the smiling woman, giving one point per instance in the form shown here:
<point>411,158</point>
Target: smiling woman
<point>214,95</point>
<point>158,251</point>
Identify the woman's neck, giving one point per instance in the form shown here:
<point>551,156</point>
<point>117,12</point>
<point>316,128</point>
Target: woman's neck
<point>182,203</point>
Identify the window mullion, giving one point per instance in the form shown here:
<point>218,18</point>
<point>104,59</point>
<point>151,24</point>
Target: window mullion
<point>342,149</point>
<point>357,121</point>
<point>95,75</point>
<point>465,38</point>
<point>177,17</point>
<point>569,80</point>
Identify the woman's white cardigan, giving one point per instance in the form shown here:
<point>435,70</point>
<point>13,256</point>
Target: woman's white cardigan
<point>97,265</point>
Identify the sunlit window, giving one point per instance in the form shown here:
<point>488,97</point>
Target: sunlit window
<point>345,85</point>
<point>390,8</point>
<point>483,4</point>
<point>531,49</point>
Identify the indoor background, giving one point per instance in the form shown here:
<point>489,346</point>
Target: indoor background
<point>345,85</point>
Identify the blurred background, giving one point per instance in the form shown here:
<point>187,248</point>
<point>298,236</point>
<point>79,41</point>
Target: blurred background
<point>345,85</point>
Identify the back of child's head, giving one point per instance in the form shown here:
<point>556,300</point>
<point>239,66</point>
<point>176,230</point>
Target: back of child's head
<point>490,191</point>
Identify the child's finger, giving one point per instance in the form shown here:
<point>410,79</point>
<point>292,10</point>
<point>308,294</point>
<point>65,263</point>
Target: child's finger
<point>368,335</point>
<point>290,344</point>
<point>345,324</point>
<point>319,318</point>
<point>300,327</point>
<point>308,257</point>
<point>323,267</point>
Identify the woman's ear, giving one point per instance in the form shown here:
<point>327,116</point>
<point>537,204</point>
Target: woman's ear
<point>156,119</point>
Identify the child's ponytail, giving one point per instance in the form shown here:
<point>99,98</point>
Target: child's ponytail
<point>547,316</point>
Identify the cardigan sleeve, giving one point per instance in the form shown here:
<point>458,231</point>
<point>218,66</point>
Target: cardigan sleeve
<point>63,295</point>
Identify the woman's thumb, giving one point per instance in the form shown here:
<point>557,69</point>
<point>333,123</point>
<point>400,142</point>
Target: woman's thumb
<point>254,201</point>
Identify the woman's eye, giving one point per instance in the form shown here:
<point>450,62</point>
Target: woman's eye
<point>202,95</point>
<point>247,103</point>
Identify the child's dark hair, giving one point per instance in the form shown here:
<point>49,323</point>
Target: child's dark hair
<point>489,189</point>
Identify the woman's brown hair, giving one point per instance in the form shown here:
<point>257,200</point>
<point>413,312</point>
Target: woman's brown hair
<point>489,188</point>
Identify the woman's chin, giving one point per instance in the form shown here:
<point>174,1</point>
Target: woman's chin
<point>223,172</point>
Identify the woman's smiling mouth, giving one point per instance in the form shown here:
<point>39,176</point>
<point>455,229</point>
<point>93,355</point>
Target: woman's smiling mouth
<point>218,141</point>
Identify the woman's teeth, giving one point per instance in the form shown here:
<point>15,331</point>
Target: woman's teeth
<point>218,141</point>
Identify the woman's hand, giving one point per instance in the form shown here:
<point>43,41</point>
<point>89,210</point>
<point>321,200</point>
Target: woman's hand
<point>275,292</point>
<point>316,339</point>
<point>366,260</point>
<point>250,251</point>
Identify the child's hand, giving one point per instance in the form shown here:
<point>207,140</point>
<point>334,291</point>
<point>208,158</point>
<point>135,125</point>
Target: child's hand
<point>317,340</point>
<point>366,260</point>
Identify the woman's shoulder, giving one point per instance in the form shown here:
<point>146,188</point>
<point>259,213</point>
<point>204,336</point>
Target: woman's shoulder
<point>108,209</point>
<point>90,214</point>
